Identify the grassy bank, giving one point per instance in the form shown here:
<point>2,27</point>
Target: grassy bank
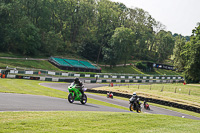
<point>72,121</point>
<point>120,69</point>
<point>37,64</point>
<point>45,65</point>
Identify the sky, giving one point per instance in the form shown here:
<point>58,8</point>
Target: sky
<point>179,16</point>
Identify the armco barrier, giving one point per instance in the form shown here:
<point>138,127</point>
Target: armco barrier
<point>110,76</point>
<point>25,77</point>
<point>157,101</point>
<point>55,79</point>
<point>40,78</point>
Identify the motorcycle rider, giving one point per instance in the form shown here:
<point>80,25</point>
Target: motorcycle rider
<point>79,85</point>
<point>145,102</point>
<point>134,98</point>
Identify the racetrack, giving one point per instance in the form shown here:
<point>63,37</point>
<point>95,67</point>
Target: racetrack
<point>24,102</point>
<point>154,109</point>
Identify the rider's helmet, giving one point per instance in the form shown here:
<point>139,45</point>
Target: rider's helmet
<point>76,80</point>
<point>134,93</point>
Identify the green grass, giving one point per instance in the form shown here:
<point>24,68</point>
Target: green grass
<point>37,64</point>
<point>120,69</point>
<point>167,72</point>
<point>29,87</point>
<point>14,55</point>
<point>84,122</point>
<point>74,121</point>
<point>22,86</point>
<point>154,91</point>
<point>10,55</point>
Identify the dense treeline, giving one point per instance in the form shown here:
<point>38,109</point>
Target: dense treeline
<point>95,29</point>
<point>187,55</point>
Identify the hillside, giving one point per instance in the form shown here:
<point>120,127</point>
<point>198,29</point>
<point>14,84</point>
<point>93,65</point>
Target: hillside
<point>27,63</point>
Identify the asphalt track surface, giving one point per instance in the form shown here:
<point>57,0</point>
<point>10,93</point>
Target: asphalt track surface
<point>25,102</point>
<point>153,110</point>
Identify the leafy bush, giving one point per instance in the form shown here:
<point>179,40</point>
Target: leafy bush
<point>141,65</point>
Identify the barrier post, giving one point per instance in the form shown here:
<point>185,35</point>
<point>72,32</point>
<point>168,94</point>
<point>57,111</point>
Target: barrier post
<point>3,76</point>
<point>162,89</point>
<point>111,84</point>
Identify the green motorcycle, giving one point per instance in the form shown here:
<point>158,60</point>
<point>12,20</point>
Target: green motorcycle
<point>76,95</point>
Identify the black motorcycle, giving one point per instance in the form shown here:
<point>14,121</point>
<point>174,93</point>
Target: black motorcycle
<point>135,105</point>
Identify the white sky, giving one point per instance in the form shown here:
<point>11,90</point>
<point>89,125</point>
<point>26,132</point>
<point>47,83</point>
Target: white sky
<point>179,16</point>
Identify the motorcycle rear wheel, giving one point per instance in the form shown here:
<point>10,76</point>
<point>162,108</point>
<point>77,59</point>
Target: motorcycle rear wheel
<point>70,98</point>
<point>138,108</point>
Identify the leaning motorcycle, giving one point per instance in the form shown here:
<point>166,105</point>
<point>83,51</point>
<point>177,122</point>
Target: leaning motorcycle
<point>76,95</point>
<point>110,95</point>
<point>135,105</point>
<point>146,105</point>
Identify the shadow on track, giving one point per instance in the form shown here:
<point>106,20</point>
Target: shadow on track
<point>85,105</point>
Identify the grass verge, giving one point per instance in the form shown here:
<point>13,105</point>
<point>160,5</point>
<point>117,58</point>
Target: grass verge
<point>73,121</point>
<point>158,105</point>
<point>179,93</point>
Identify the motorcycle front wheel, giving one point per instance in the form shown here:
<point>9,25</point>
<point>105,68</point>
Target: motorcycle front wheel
<point>84,99</point>
<point>131,107</point>
<point>70,98</point>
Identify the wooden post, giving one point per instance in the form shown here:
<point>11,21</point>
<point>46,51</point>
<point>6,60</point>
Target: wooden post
<point>138,87</point>
<point>162,89</point>
<point>189,91</point>
<point>175,90</point>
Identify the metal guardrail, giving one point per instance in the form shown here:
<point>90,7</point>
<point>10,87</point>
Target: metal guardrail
<point>103,75</point>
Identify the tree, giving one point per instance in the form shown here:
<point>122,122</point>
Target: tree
<point>192,72</point>
<point>178,53</point>
<point>120,45</point>
<point>82,27</point>
<point>164,45</point>
<point>143,25</point>
<point>107,21</point>
<point>27,37</point>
